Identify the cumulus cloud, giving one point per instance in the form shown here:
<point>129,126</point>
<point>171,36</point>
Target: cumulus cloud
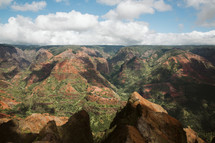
<point>4,3</point>
<point>118,32</point>
<point>62,21</point>
<point>77,28</point>
<point>34,6</point>
<point>130,9</point>
<point>206,10</point>
<point>161,6</point>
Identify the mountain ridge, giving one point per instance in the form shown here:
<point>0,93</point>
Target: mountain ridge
<point>62,80</point>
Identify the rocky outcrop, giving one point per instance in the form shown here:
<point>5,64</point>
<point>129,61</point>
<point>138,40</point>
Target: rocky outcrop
<point>48,129</point>
<point>150,122</point>
<point>9,132</point>
<point>77,129</point>
<point>136,99</point>
<point>49,133</point>
<point>125,134</point>
<point>192,136</point>
<point>35,122</point>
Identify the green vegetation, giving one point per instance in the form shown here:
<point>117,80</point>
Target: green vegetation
<point>153,71</point>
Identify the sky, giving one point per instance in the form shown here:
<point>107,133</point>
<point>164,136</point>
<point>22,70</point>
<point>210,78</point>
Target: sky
<point>107,22</point>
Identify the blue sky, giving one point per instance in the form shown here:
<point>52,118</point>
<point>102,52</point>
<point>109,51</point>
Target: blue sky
<point>126,22</point>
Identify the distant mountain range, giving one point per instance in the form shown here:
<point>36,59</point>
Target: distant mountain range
<point>62,80</point>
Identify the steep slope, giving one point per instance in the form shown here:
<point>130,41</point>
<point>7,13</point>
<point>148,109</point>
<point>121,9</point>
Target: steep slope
<point>61,80</point>
<point>141,121</point>
<point>65,83</point>
<point>207,52</point>
<point>181,81</point>
<point>10,62</point>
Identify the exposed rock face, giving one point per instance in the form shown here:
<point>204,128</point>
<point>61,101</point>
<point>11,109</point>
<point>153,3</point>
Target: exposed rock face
<point>49,133</point>
<point>45,128</point>
<point>150,121</point>
<point>125,134</point>
<point>77,129</point>
<point>32,124</point>
<point>192,136</point>
<point>35,122</point>
<point>137,99</point>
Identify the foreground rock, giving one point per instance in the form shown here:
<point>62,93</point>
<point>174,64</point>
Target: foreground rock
<point>35,122</point>
<point>140,121</point>
<point>144,122</point>
<point>10,132</point>
<point>192,136</point>
<point>76,130</point>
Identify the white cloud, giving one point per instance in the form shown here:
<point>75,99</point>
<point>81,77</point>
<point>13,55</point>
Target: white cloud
<point>4,3</point>
<point>34,6</point>
<point>65,1</point>
<point>77,28</point>
<point>192,38</point>
<point>109,2</point>
<point>66,21</point>
<point>206,11</point>
<point>161,6</point>
<point>196,3</point>
<point>130,9</point>
<point>117,32</point>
